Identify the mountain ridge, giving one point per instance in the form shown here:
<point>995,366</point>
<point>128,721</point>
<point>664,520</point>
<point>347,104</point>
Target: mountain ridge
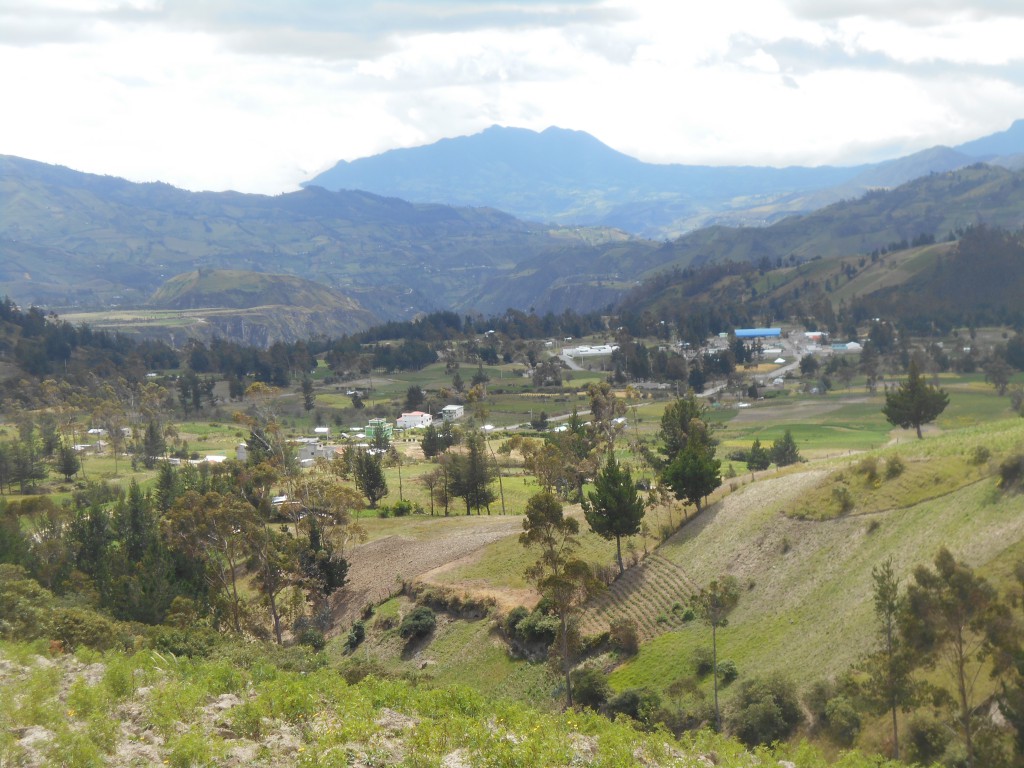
<point>570,177</point>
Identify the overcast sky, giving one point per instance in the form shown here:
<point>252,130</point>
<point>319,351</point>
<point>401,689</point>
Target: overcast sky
<point>259,95</point>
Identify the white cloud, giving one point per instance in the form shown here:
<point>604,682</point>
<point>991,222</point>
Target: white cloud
<point>215,94</point>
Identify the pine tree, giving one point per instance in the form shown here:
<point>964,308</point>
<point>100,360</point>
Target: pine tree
<point>614,508</point>
<point>784,451</point>
<point>915,402</point>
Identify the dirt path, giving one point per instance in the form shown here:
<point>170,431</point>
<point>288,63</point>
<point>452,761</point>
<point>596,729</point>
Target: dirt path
<point>378,568</point>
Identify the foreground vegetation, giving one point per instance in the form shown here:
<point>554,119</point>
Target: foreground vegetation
<point>245,706</point>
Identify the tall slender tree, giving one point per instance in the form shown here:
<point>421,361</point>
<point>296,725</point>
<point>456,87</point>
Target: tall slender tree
<point>713,604</point>
<point>890,684</point>
<point>560,577</point>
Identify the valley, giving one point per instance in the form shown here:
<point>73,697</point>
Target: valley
<point>333,478</point>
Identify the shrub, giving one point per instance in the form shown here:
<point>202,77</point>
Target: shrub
<point>197,642</point>
<point>74,627</point>
<point>590,688</point>
<point>926,740</point>
<point>843,498</point>
<point>641,704</point>
<point>703,661</point>
<point>868,466</point>
<point>727,671</point>
<point>402,508</point>
<point>356,635</point>
<point>513,619</point>
<point>843,720</point>
<point>765,711</point>
<point>980,455</point>
<point>247,720</point>
<point>419,623</point>
<point>538,627</point>
<point>313,638</point>
<point>1011,472</point>
<point>193,748</point>
<point>623,635</point>
<point>894,467</point>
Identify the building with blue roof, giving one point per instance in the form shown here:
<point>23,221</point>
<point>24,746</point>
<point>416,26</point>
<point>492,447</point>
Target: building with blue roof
<point>758,333</point>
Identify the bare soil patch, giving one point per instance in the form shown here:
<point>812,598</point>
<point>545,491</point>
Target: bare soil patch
<point>378,568</point>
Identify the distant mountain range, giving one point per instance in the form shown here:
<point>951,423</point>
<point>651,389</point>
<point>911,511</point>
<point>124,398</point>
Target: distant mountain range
<point>569,177</point>
<point>264,268</point>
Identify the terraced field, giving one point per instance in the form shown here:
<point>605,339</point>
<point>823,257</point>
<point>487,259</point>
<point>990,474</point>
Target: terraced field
<point>646,594</point>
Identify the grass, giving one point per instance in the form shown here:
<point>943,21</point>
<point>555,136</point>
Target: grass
<point>791,623</point>
<point>312,717</point>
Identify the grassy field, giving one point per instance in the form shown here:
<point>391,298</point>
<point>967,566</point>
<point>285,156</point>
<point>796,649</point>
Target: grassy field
<point>789,622</point>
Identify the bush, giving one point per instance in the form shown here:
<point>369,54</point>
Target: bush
<point>843,499</point>
<point>419,623</point>
<point>727,671</point>
<point>402,508</point>
<point>641,704</point>
<point>868,466</point>
<point>75,627</point>
<point>623,635</point>
<point>765,711</point>
<point>538,627</point>
<point>843,720</point>
<point>926,740</point>
<point>197,642</point>
<point>980,455</point>
<point>703,661</point>
<point>356,635</point>
<point>313,638</point>
<point>1011,472</point>
<point>894,467</point>
<point>513,619</point>
<point>590,688</point>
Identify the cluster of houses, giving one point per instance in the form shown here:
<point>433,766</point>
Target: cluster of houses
<point>309,449</point>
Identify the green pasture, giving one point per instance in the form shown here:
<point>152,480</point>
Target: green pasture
<point>790,623</point>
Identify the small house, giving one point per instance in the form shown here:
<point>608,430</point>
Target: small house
<point>414,420</point>
<point>379,427</point>
<point>452,412</point>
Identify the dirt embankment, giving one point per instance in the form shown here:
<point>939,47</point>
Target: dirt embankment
<point>378,568</point>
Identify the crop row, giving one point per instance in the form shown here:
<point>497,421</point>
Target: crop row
<point>646,594</point>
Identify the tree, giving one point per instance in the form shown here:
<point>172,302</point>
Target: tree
<point>614,508</point>
<point>694,473</point>
<point>758,458</point>
<point>947,614</point>
<point>369,477</point>
<point>472,475</point>
<point>683,422</point>
<point>784,451</point>
<point>561,578</point>
<point>998,373</point>
<point>414,398</point>
<point>432,444</point>
<point>889,686</point>
<point>713,604</point>
<point>153,445</point>
<point>914,402</point>
<point>276,559</point>
<point>766,710</point>
<point>308,396</point>
<point>215,531</point>
<point>606,410</point>
<point>67,461</point>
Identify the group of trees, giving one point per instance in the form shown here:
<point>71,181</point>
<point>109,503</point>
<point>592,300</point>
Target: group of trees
<point>939,638</point>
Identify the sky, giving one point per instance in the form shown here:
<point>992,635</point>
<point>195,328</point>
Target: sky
<point>260,95</point>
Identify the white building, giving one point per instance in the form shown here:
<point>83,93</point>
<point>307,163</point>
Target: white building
<point>414,420</point>
<point>452,412</point>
